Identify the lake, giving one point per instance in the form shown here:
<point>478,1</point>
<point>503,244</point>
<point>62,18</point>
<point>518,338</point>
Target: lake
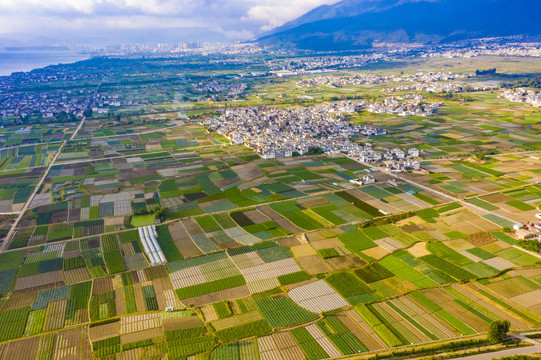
<point>13,61</point>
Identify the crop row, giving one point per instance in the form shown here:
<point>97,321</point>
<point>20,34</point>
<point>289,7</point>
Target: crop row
<point>283,312</point>
<point>210,287</point>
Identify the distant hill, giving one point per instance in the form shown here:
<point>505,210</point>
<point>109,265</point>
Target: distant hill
<point>354,24</point>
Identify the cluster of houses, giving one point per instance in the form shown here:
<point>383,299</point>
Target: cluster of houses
<point>279,133</point>
<point>46,104</point>
<point>531,49</point>
<point>523,95</point>
<point>370,79</point>
<point>275,132</point>
<point>228,91</point>
<point>395,160</point>
<point>331,62</point>
<point>363,180</point>
<point>438,87</point>
<point>47,75</point>
<point>413,105</point>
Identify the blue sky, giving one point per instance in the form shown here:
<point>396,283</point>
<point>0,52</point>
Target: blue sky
<point>113,21</point>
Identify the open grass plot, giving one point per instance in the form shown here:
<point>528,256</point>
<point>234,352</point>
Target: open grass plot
<point>405,272</point>
<point>317,297</point>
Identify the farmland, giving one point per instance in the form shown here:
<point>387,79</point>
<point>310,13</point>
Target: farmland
<point>265,257</point>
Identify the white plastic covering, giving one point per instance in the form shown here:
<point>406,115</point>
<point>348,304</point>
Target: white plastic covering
<point>154,260</point>
<point>162,257</point>
<point>148,235</point>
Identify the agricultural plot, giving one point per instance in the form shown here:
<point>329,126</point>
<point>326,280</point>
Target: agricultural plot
<point>262,269</point>
<point>349,286</point>
<point>281,311</point>
<point>317,297</point>
<point>299,218</point>
<point>204,275</point>
<point>276,258</point>
<point>111,254</point>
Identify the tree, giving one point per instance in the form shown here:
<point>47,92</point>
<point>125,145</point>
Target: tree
<point>531,245</point>
<point>88,113</point>
<point>498,330</point>
<point>314,150</point>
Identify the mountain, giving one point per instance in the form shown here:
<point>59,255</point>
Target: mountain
<point>355,24</point>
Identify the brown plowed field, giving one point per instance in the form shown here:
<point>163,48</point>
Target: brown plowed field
<point>54,318</point>
<point>183,241</point>
<point>102,285</point>
<point>67,345</point>
<point>313,264</point>
<point>38,282</point>
<point>141,335</point>
<point>20,301</point>
<point>279,219</point>
<point>22,349</point>
<point>76,275</point>
<point>349,261</point>
<point>192,226</point>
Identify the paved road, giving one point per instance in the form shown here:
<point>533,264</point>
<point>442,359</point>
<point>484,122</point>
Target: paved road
<point>499,354</point>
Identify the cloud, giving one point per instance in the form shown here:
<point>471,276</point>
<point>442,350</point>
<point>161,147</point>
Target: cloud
<point>239,35</point>
<point>278,12</point>
<point>234,19</point>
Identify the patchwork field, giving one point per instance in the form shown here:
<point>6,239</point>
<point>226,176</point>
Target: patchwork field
<point>265,257</point>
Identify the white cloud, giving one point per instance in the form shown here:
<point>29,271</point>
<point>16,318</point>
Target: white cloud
<point>278,12</point>
<point>239,35</point>
<point>236,19</point>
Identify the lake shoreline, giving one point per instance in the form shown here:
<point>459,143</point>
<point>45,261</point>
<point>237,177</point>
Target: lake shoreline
<point>26,61</point>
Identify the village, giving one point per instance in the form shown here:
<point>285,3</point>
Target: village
<point>523,96</point>
<point>277,133</point>
<point>216,90</point>
<point>46,104</point>
<point>371,79</point>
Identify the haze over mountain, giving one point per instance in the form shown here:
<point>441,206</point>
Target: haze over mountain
<point>354,24</point>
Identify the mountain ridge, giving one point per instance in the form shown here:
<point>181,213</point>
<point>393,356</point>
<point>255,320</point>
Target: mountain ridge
<point>396,21</point>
